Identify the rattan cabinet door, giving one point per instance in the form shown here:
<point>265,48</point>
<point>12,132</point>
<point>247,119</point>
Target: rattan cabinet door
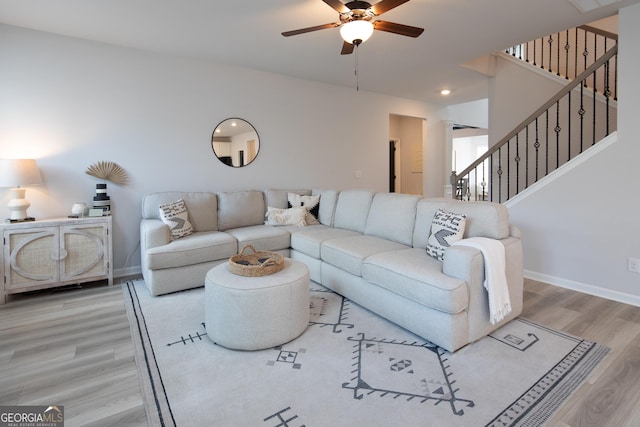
<point>84,248</point>
<point>31,257</point>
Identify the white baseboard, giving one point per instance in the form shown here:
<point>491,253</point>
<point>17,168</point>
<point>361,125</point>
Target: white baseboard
<point>584,288</point>
<point>129,271</point>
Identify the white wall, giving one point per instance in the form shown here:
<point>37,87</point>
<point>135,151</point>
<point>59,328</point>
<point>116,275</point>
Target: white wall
<point>580,229</point>
<point>70,103</point>
<point>474,113</point>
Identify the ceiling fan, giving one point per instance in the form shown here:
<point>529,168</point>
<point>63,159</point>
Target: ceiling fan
<point>358,20</point>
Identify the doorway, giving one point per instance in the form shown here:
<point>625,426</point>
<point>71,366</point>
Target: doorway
<point>405,154</point>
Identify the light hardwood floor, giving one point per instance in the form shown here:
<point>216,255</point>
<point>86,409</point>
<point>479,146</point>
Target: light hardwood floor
<point>73,347</point>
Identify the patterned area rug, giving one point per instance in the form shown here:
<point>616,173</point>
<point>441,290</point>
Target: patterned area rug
<point>350,367</point>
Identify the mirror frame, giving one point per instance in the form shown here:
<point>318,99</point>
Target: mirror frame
<point>226,134</point>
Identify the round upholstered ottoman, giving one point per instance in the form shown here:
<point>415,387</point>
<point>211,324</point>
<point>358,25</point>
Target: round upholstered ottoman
<point>252,313</point>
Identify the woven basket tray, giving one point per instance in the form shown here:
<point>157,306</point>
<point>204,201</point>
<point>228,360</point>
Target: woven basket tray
<point>256,264</point>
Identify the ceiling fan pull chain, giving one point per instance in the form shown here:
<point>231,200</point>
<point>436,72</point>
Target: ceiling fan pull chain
<point>356,71</point>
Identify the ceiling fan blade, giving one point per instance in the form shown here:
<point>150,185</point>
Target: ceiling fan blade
<point>337,5</point>
<point>385,6</point>
<point>347,49</point>
<point>392,27</point>
<point>309,29</point>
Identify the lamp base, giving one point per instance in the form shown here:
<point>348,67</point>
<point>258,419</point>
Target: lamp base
<point>18,205</point>
<point>27,219</point>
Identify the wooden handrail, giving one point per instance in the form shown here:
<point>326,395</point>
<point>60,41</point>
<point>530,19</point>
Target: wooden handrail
<point>599,32</point>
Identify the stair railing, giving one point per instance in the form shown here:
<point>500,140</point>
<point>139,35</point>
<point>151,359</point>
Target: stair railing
<point>552,135</point>
<point>567,53</point>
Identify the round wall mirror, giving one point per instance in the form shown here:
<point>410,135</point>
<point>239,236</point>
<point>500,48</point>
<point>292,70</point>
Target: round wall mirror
<point>235,142</point>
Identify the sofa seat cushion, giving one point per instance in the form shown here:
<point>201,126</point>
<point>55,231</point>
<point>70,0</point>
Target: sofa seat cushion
<point>201,246</point>
<point>348,253</point>
<point>413,274</point>
<point>308,240</point>
<point>262,237</point>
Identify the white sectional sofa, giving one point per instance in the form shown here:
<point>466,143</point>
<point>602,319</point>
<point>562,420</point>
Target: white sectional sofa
<point>368,247</point>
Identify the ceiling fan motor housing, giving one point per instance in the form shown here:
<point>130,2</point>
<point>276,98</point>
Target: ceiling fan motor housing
<point>360,11</point>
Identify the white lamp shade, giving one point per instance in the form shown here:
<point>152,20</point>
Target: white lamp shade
<point>356,30</point>
<point>19,173</point>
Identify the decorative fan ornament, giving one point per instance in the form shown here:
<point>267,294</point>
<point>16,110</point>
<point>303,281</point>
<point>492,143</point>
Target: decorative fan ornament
<point>108,171</point>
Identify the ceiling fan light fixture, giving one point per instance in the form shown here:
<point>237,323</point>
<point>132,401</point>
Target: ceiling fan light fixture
<point>356,32</point>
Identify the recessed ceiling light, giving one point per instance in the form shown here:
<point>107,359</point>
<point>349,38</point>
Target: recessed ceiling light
<point>445,92</point>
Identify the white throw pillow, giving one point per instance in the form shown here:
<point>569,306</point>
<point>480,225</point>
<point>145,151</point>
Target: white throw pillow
<point>176,216</point>
<point>292,216</point>
<point>310,203</point>
<point>446,229</point>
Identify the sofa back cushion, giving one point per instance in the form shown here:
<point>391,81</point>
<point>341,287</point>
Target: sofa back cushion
<point>352,209</point>
<point>201,207</point>
<point>484,219</point>
<point>277,198</point>
<point>240,209</point>
<point>392,216</point>
<point>328,200</point>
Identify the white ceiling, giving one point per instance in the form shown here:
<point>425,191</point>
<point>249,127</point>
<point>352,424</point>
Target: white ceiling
<point>247,33</point>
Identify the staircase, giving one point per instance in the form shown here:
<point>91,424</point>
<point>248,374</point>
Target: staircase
<point>582,113</point>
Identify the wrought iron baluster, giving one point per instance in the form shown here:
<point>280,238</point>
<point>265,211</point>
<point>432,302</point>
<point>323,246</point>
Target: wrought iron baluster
<point>475,182</point>
<point>567,47</point>
<point>615,76</point>
<point>585,53</point>
<point>484,181</point>
<point>517,160</point>
<point>569,126</point>
<point>558,57</point>
<point>607,94</point>
<point>537,147</point>
<point>500,174</point>
<point>526,157</point>
<point>575,66</point>
<point>491,192</point>
<point>546,141</point>
<point>550,41</point>
<point>581,112</point>
<point>557,130</point>
<point>593,137</point>
<point>508,193</point>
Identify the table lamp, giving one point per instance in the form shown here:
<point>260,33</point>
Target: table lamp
<point>14,174</point>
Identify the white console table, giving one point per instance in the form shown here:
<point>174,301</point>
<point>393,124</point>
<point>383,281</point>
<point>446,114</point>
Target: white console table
<point>48,253</point>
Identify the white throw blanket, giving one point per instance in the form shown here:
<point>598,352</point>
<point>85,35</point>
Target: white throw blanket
<point>495,277</point>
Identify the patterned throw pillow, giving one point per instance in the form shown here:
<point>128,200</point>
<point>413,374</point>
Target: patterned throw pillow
<point>176,216</point>
<point>292,216</point>
<point>310,203</point>
<point>446,229</point>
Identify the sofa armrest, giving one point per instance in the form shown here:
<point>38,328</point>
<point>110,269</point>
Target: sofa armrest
<point>467,263</point>
<point>153,233</point>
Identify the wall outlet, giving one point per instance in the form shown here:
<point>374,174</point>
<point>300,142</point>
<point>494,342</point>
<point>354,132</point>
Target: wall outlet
<point>634,265</point>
